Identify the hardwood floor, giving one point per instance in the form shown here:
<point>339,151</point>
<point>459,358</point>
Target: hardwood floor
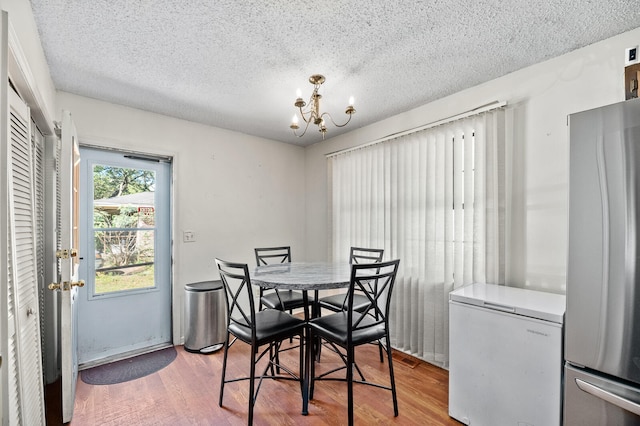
<point>186,393</point>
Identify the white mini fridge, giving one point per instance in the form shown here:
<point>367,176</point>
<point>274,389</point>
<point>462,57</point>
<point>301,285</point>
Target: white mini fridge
<point>505,356</point>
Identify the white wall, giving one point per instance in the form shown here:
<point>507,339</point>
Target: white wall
<point>235,191</point>
<point>23,35</point>
<point>540,97</point>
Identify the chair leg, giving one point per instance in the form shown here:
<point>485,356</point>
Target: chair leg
<point>277,349</point>
<point>224,368</point>
<point>312,373</point>
<point>318,346</point>
<point>350,361</point>
<point>252,375</point>
<point>316,312</point>
<point>271,357</point>
<point>301,349</point>
<point>355,365</point>
<point>392,377</point>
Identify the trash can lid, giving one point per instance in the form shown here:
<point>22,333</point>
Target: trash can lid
<point>204,286</point>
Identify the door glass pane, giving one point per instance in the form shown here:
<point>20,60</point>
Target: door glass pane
<point>124,228</point>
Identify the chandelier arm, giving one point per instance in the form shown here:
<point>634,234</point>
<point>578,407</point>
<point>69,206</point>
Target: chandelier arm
<point>334,123</point>
<point>304,131</point>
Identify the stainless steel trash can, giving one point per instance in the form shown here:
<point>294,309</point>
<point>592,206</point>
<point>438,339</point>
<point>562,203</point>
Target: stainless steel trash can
<point>205,316</point>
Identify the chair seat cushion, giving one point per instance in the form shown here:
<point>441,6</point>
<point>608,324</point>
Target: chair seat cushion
<point>271,325</point>
<point>334,328</point>
<point>290,299</point>
<point>337,302</point>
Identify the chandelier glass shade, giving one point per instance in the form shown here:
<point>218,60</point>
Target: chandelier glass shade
<point>311,113</point>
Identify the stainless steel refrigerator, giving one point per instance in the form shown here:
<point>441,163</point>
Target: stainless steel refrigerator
<point>602,324</point>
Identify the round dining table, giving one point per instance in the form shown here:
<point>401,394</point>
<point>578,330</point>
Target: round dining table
<point>305,277</point>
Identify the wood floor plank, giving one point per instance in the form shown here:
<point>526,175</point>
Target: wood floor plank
<point>186,393</point>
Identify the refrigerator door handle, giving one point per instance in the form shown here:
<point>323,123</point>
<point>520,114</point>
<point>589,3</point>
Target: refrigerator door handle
<point>607,396</point>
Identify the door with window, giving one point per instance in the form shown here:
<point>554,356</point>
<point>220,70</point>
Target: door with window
<point>127,263</point>
<point>67,256</point>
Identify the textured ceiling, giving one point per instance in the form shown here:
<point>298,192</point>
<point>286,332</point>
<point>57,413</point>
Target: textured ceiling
<point>236,64</point>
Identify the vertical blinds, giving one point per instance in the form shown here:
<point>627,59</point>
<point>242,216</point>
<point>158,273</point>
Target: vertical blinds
<point>435,200</point>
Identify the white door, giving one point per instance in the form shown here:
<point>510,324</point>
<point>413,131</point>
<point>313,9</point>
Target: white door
<point>68,258</point>
<point>125,228</point>
<point>5,308</point>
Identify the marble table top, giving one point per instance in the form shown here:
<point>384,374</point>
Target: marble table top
<point>302,275</point>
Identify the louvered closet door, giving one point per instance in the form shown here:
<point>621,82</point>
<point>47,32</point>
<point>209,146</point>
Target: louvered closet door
<point>24,370</point>
<point>37,146</point>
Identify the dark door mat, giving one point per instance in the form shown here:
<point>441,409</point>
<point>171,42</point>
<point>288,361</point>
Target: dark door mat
<point>129,369</point>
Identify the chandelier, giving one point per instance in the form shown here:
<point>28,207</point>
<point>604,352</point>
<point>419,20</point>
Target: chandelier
<point>312,114</point>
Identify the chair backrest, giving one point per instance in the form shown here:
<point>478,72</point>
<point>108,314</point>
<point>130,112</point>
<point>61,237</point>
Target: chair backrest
<point>383,274</point>
<point>365,255</point>
<point>238,294</point>
<point>267,255</point>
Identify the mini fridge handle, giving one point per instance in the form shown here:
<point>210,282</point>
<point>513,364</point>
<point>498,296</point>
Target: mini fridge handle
<point>499,307</point>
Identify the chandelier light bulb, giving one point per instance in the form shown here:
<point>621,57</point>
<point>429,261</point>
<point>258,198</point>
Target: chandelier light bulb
<point>351,100</point>
<point>294,123</point>
<point>298,93</point>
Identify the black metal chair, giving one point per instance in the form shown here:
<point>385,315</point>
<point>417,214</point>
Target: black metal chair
<point>338,302</point>
<point>350,328</point>
<point>267,327</point>
<point>284,300</point>
<point>357,255</point>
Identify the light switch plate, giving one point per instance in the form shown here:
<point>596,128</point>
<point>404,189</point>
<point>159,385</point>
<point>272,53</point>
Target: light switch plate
<point>188,236</point>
